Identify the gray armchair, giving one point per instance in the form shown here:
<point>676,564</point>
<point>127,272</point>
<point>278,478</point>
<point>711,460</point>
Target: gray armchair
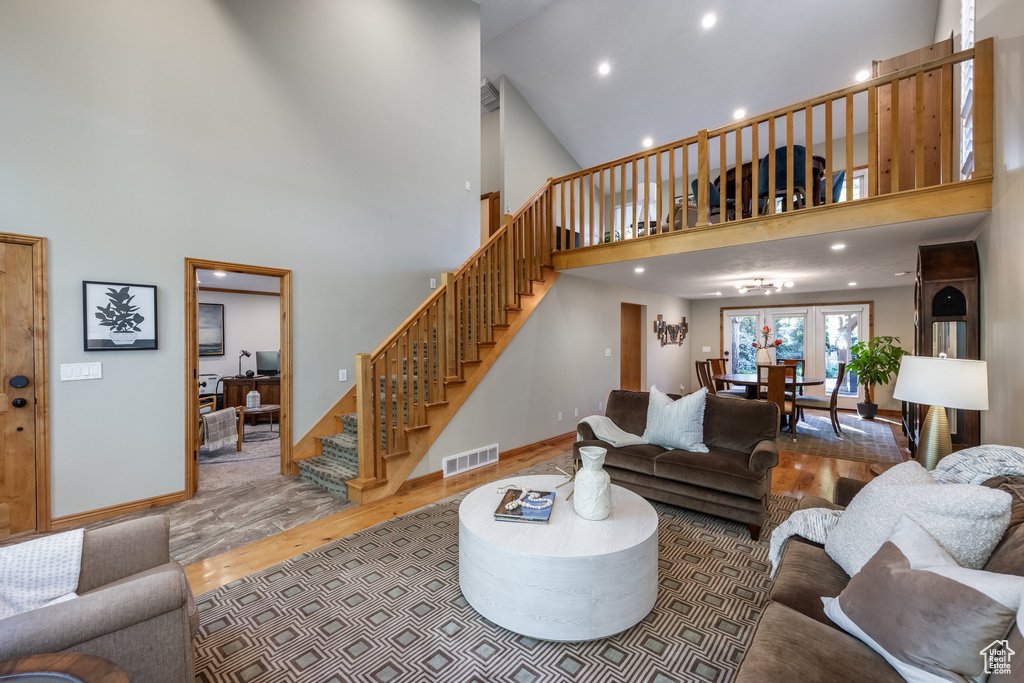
<point>134,608</point>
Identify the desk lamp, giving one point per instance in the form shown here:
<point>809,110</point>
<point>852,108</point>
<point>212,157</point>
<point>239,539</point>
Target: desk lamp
<point>940,383</point>
<point>243,353</point>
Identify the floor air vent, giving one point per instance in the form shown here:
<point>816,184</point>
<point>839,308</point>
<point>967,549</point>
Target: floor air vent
<point>456,464</point>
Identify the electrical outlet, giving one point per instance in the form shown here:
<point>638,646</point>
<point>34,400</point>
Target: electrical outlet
<point>600,407</point>
<point>706,349</point>
<point>559,415</point>
<point>608,352</point>
<point>342,375</point>
<point>576,412</point>
<point>467,186</point>
<point>433,285</point>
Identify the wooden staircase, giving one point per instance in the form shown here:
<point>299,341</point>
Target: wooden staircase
<point>409,389</point>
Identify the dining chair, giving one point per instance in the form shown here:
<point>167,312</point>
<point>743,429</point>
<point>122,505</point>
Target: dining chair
<point>715,202</point>
<point>781,190</point>
<point>837,187</point>
<point>773,378</point>
<point>830,404</point>
<point>723,388</point>
<point>702,374</point>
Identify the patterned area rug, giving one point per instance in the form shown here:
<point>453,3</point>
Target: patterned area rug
<point>383,605</point>
<point>862,440</point>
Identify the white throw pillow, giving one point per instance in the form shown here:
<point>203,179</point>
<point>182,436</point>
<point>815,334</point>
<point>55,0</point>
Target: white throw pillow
<point>930,618</point>
<point>965,519</point>
<point>676,424</point>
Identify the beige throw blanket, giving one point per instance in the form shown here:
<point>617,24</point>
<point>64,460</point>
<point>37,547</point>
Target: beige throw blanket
<point>41,572</point>
<point>221,429</point>
<point>608,431</point>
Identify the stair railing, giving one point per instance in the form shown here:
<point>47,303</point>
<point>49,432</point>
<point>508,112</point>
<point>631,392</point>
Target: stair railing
<point>407,374</point>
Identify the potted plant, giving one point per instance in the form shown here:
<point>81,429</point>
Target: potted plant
<point>120,316</point>
<point>764,356</point>
<point>875,362</point>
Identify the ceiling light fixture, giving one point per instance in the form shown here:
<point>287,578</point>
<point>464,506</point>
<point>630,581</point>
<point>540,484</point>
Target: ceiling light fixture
<point>739,114</point>
<point>863,75</point>
<point>638,269</point>
<point>852,284</point>
<point>220,273</point>
<point>709,20</point>
<point>837,247</point>
<point>761,285</point>
<point>648,142</point>
<point>604,68</point>
<point>901,273</point>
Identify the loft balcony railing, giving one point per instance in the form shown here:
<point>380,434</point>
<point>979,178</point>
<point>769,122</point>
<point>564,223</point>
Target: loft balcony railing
<point>904,143</point>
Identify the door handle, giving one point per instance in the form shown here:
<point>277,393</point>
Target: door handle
<point>19,381</point>
<point>19,403</point>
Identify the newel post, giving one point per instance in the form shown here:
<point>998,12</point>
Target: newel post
<point>983,104</point>
<point>703,178</point>
<point>364,417</point>
<point>450,331</point>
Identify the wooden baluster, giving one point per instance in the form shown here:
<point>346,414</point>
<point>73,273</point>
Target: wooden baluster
<point>703,173</point>
<point>409,369</point>
<point>563,225</point>
<point>722,189</point>
<point>600,221</point>
<point>485,300</point>
<point>474,283</point>
<point>738,180</point>
<point>389,398</point>
<point>789,161</point>
<point>872,146</point>
<point>849,147</point>
<point>400,392</point>
<point>530,247</point>
<point>636,171</point>
<point>611,206</point>
<point>946,124</point>
<point>828,154</point>
<point>422,373</point>
<point>622,205</point>
<point>771,166</point>
<point>549,229</point>
<point>444,335</point>
<point>686,189</point>
<point>571,239</point>
<point>450,330</point>
<point>983,103</point>
<point>464,353</point>
<point>919,148</point>
<point>894,132</point>
<point>657,209</point>
<point>364,416</point>
<point>755,167</point>
<point>810,199</point>
<point>434,364</point>
<point>590,209</point>
<point>672,188</point>
<point>644,211</point>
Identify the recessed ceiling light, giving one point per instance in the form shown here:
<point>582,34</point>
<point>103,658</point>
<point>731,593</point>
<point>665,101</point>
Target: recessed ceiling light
<point>863,75</point>
<point>604,68</point>
<point>638,269</point>
<point>852,284</point>
<point>219,273</point>
<point>718,294</point>
<point>709,20</point>
<point>648,142</point>
<point>901,273</point>
<point>837,247</point>
<point>739,114</point>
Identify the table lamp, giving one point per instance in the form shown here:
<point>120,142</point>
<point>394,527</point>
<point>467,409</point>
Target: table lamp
<point>940,383</point>
<point>240,355</point>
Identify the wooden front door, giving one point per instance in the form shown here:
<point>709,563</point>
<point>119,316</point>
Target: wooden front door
<point>630,353</point>
<point>19,498</point>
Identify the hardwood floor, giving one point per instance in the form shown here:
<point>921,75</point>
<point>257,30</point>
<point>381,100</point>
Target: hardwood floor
<point>797,475</point>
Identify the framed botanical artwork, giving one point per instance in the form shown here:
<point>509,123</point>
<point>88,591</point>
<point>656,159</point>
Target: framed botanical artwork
<point>119,316</point>
<point>210,330</point>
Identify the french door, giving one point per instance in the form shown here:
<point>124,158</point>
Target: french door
<point>822,335</point>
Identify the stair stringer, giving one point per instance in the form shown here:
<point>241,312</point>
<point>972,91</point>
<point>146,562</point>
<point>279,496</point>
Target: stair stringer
<point>399,469</point>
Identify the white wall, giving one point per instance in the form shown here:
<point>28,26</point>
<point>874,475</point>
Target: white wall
<point>490,152</point>
<point>133,135</point>
<point>251,322</point>
<point>557,363</point>
<point>530,153</point>
<point>893,315</point>
<point>1001,240</point>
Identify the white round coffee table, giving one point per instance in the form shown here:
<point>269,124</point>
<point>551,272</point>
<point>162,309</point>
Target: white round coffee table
<point>570,579</point>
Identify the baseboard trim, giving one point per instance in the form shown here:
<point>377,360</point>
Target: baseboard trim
<point>80,518</point>
<point>567,439</point>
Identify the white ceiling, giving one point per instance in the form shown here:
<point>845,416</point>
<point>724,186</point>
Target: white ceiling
<point>871,258</point>
<point>670,77</point>
<point>239,281</point>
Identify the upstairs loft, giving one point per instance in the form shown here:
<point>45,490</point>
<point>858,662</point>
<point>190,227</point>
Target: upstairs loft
<point>854,158</point>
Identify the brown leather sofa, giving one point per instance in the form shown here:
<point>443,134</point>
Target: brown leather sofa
<point>134,608</point>
<point>732,480</point>
<point>794,641</point>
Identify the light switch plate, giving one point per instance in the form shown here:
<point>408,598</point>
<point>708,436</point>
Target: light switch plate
<point>608,352</point>
<point>342,375</point>
<point>433,283</point>
<point>71,372</point>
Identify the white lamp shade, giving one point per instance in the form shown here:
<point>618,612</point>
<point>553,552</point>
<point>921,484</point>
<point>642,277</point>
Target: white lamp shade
<point>946,382</point>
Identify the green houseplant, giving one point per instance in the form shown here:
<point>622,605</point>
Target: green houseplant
<point>120,316</point>
<point>875,362</point>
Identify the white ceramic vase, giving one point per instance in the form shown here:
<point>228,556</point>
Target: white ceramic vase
<point>764,357</point>
<point>592,494</point>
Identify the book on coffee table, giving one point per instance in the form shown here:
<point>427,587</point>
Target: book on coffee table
<point>522,513</point>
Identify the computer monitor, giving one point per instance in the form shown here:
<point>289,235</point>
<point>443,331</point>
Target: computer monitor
<point>268,362</point>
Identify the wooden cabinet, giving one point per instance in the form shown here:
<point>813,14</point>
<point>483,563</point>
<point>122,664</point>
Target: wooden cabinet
<point>236,388</point>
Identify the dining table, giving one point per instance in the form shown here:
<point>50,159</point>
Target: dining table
<point>749,381</point>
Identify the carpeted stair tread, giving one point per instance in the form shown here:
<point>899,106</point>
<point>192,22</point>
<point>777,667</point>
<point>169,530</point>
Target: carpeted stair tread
<point>343,448</point>
<point>350,422</point>
<point>327,473</point>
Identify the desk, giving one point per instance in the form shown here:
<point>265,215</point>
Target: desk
<point>235,389</point>
<point>750,382</point>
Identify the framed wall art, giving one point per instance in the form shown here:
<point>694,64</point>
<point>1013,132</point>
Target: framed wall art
<point>119,316</point>
<point>210,330</point>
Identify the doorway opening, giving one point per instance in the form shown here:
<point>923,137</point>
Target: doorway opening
<point>238,345</point>
<point>631,348</point>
